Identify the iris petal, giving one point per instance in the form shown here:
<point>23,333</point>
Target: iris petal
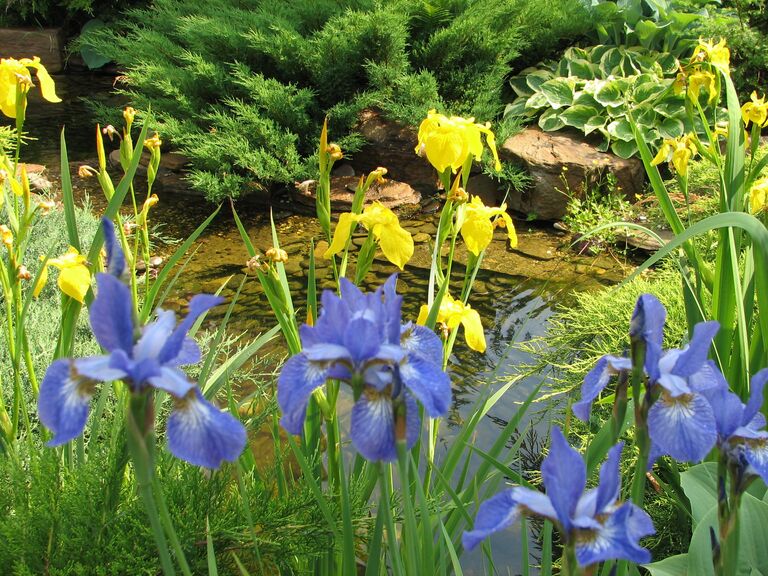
<point>756,454</point>
<point>421,341</point>
<point>755,401</point>
<point>173,381</point>
<point>610,482</point>
<point>596,381</point>
<point>298,379</point>
<point>683,427</point>
<point>63,402</point>
<point>201,434</point>
<point>115,256</point>
<point>428,383</point>
<point>98,368</point>
<point>198,305</point>
<point>613,541</point>
<point>111,315</point>
<point>372,426</point>
<point>495,514</point>
<point>564,475</point>
<point>694,356</point>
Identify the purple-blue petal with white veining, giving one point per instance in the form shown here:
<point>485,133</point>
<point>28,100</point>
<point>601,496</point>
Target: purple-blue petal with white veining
<point>564,475</point>
<point>683,427</point>
<point>63,402</point>
<point>298,379</point>
<point>203,435</point>
<point>111,314</point>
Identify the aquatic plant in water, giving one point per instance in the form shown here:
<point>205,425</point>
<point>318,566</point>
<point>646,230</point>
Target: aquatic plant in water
<point>360,339</point>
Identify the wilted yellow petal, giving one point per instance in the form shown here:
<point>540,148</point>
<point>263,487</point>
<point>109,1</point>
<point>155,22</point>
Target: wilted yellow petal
<point>41,282</point>
<point>340,235</point>
<point>47,87</point>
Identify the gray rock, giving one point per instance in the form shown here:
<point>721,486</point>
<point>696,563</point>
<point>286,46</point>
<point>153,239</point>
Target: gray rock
<point>391,193</point>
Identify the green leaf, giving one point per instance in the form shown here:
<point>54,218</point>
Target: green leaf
<point>624,149</point>
<point>517,108</point>
<point>752,553</point>
<point>646,31</point>
<point>586,99</point>
<point>581,68</point>
<point>646,90</point>
<point>578,116</point>
<point>558,91</point>
<point>91,57</point>
<point>672,566</point>
<point>551,121</point>
<point>610,94</point>
<point>670,106</point>
<point>671,128</point>
<point>520,85</point>
<point>700,486</point>
<point>536,79</point>
<point>610,61</point>
<point>621,130</point>
<point>537,101</point>
<point>668,63</point>
<point>594,123</point>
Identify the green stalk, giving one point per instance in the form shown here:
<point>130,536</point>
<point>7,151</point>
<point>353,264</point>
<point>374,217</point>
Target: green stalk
<point>141,444</point>
<point>385,482</point>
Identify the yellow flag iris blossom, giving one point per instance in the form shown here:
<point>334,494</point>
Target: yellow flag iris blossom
<point>395,242</point>
<point>758,196</point>
<point>701,79</point>
<point>476,222</point>
<point>74,276</point>
<point>679,151</point>
<point>453,313</point>
<point>447,142</point>
<point>755,111</point>
<point>716,54</point>
<point>16,72</point>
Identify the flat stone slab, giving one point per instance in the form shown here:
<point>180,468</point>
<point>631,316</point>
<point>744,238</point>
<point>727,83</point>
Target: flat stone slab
<point>390,193</point>
<point>47,43</point>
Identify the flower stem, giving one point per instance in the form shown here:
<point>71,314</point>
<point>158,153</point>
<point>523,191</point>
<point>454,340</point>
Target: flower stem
<point>385,481</point>
<point>141,445</point>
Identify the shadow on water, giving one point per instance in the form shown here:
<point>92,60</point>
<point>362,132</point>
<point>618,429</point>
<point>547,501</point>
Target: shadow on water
<point>515,293</point>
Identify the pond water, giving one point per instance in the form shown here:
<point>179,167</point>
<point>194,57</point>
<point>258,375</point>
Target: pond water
<point>515,293</point>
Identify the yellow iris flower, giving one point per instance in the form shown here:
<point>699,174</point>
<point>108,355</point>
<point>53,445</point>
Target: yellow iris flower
<point>396,243</point>
<point>716,54</point>
<point>699,80</point>
<point>679,151</point>
<point>14,72</point>
<point>476,222</point>
<point>448,142</point>
<point>758,196</point>
<point>755,111</point>
<point>74,276</point>
<point>453,313</point>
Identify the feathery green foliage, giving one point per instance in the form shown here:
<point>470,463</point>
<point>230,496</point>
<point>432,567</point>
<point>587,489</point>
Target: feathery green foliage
<point>242,88</point>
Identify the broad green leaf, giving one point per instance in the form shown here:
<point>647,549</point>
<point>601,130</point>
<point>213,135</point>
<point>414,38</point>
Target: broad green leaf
<point>594,123</point>
<point>578,116</point>
<point>92,58</point>
<point>670,106</point>
<point>621,130</point>
<point>610,94</point>
<point>646,31</point>
<point>672,566</point>
<point>558,92</point>
<point>609,61</point>
<point>517,108</point>
<point>581,68</point>
<point>646,115</point>
<point>752,554</point>
<point>586,99</point>
<point>668,63</point>
<point>700,486</point>
<point>671,128</point>
<point>551,121</point>
<point>536,79</point>
<point>624,149</point>
<point>537,101</point>
<point>520,85</point>
<point>646,90</point>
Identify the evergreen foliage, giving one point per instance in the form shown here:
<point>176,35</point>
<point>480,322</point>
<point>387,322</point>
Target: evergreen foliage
<point>242,88</point>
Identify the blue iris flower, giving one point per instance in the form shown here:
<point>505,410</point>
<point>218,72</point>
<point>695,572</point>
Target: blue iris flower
<point>197,431</point>
<point>681,421</point>
<point>740,428</point>
<point>595,522</point>
<point>360,339</point>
